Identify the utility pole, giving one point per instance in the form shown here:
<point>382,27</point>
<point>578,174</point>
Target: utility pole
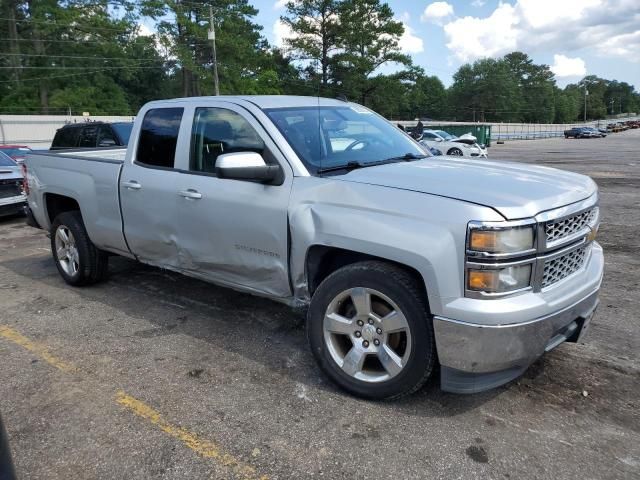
<point>611,102</point>
<point>586,92</point>
<point>212,37</point>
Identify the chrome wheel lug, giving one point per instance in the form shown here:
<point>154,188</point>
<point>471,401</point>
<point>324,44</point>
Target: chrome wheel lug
<point>365,344</point>
<point>379,331</point>
<point>371,321</point>
<point>358,334</point>
<point>376,342</point>
<point>360,323</point>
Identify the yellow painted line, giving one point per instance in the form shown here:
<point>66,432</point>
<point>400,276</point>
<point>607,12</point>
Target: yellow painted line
<point>16,337</point>
<point>202,447</point>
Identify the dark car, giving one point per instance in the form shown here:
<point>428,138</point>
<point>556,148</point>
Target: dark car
<point>92,135</point>
<point>577,132</point>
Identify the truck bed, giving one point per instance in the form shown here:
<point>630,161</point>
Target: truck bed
<point>91,178</point>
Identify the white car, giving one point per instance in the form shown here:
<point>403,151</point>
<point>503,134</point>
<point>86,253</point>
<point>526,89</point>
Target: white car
<point>463,146</point>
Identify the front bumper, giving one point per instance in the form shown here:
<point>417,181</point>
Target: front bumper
<point>476,357</point>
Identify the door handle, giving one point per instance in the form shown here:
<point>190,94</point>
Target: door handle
<point>192,194</point>
<point>131,185</point>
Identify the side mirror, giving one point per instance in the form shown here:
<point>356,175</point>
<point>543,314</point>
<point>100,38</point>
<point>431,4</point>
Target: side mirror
<point>246,166</point>
<point>438,139</point>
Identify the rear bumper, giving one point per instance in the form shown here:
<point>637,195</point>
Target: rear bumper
<point>479,357</point>
<point>12,205</point>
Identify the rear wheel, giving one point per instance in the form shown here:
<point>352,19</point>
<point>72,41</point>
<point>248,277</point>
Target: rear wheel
<point>370,331</point>
<point>456,152</point>
<point>78,260</point>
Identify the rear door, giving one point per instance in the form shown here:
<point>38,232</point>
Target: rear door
<point>148,189</point>
<point>232,231</point>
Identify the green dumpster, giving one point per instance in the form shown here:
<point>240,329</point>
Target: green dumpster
<point>479,130</point>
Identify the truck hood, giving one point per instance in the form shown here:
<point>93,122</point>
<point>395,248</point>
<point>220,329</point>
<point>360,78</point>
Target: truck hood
<point>515,190</point>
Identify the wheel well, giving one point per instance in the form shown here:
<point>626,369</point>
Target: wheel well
<point>322,261</point>
<point>57,204</point>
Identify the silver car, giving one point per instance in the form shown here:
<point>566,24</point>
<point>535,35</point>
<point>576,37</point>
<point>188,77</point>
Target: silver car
<point>12,198</point>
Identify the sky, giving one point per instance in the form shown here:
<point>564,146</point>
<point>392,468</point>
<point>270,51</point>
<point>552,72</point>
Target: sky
<point>575,37</point>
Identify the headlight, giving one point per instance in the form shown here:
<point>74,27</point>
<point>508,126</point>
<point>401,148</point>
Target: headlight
<point>509,240</point>
<point>499,280</point>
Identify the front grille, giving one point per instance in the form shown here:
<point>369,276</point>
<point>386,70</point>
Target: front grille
<point>10,188</point>
<point>561,267</point>
<point>556,230</point>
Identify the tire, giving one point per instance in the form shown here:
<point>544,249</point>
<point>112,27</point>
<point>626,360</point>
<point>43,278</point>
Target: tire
<point>456,152</point>
<point>333,308</point>
<point>78,260</point>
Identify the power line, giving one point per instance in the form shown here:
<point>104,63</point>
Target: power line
<point>48,77</point>
<point>71,56</point>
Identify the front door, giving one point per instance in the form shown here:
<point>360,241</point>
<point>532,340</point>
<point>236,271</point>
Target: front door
<point>232,231</point>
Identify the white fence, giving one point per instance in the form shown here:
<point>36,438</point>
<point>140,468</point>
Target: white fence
<point>37,131</point>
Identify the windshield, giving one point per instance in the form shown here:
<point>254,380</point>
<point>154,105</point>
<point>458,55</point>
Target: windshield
<point>6,161</point>
<point>123,130</point>
<point>329,137</point>
<point>446,135</point>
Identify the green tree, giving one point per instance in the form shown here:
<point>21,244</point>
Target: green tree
<point>485,91</point>
<point>535,88</point>
<point>316,32</point>
<point>369,38</point>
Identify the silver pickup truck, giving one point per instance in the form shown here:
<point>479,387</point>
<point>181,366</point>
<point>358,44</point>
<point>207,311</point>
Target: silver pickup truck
<point>402,261</point>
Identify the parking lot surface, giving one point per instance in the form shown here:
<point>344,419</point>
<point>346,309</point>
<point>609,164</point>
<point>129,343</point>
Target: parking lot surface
<point>154,375</point>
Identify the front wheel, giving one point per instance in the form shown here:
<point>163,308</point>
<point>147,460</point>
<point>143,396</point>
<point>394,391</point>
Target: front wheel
<point>456,152</point>
<point>78,260</point>
<point>370,331</point>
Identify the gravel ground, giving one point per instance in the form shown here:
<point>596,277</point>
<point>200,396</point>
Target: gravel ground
<point>153,375</point>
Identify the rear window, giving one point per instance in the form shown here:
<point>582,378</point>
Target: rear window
<point>66,138</point>
<point>16,152</point>
<point>6,161</point>
<point>159,137</point>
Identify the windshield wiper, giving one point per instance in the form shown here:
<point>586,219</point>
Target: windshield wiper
<point>346,166</point>
<point>407,157</point>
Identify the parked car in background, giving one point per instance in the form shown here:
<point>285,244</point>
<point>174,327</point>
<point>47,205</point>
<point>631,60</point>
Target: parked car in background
<point>17,152</point>
<point>465,146</point>
<point>92,135</point>
<point>12,198</point>
<point>402,260</point>
<point>595,132</point>
<point>578,132</point>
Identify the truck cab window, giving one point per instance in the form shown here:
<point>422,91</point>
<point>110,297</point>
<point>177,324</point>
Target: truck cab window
<point>88,137</point>
<point>217,131</point>
<point>106,138</point>
<point>159,137</point>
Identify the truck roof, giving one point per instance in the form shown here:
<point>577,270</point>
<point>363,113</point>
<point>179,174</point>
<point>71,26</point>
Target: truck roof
<point>261,101</point>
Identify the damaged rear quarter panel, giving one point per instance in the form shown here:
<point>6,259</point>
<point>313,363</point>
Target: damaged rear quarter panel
<point>419,230</point>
